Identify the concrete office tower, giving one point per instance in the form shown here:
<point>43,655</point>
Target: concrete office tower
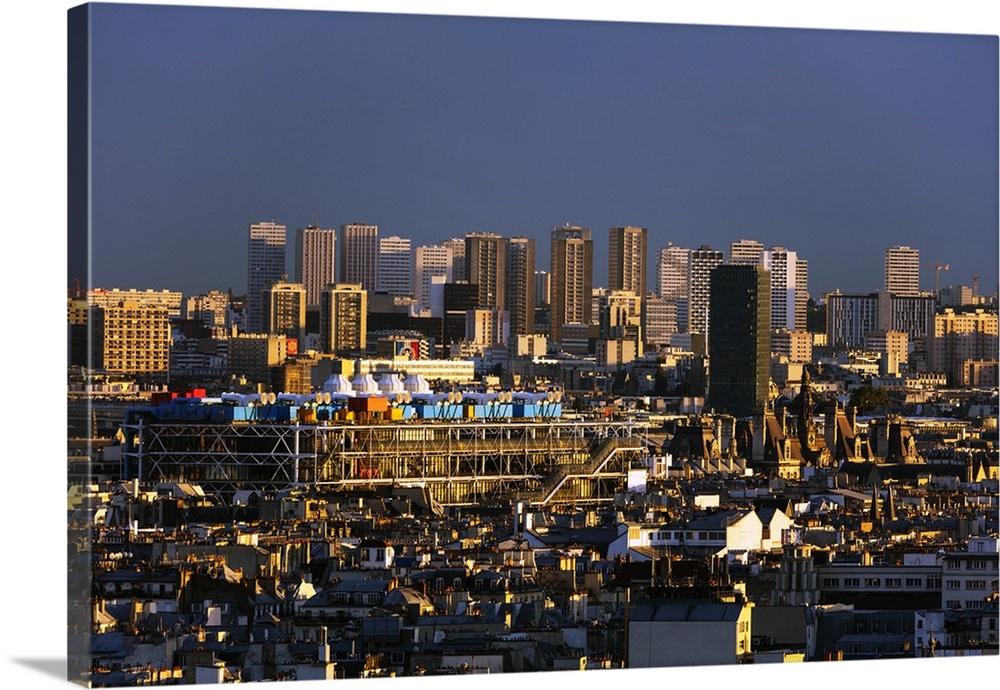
<point>285,310</point>
<point>265,267</point>
<point>902,271</point>
<point>521,285</point>
<point>627,260</point>
<point>543,288</point>
<point>358,252</point>
<point>395,266</point>
<point>746,253</point>
<point>703,262</point>
<point>739,339</point>
<point>343,319</point>
<point>315,260</point>
<point>486,266</point>
<point>783,266</point>
<point>673,272</point>
<point>430,261</point>
<point>457,246</point>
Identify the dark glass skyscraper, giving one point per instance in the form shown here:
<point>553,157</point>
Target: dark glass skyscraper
<point>739,339</point>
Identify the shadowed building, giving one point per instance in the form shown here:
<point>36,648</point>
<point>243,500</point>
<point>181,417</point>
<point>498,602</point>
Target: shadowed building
<point>739,339</point>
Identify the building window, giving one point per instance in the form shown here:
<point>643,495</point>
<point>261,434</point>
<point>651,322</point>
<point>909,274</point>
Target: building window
<point>914,582</point>
<point>954,584</point>
<point>852,582</point>
<point>831,581</point>
<point>893,582</point>
<point>975,584</point>
<point>873,582</point>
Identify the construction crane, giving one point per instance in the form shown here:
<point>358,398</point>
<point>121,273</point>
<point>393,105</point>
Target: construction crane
<point>938,267</point>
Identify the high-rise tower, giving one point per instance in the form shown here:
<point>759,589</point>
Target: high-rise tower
<point>673,272</point>
<point>521,285</point>
<point>265,267</point>
<point>429,261</point>
<point>746,253</point>
<point>572,259</point>
<point>285,310</point>
<point>627,260</point>
<point>784,266</point>
<point>343,319</point>
<point>902,271</point>
<point>486,266</point>
<point>315,260</point>
<point>739,339</point>
<point>395,266</point>
<point>358,252</point>
<point>703,262</point>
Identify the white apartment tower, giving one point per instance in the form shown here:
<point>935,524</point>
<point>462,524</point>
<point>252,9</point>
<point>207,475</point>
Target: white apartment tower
<point>902,271</point>
<point>395,266</point>
<point>783,266</point>
<point>429,261</point>
<point>315,260</point>
<point>673,272</point>
<point>703,260</point>
<point>265,267</point>
<point>358,255</point>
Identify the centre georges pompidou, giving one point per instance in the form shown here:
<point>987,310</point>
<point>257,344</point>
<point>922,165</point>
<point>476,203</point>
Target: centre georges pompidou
<point>465,448</point>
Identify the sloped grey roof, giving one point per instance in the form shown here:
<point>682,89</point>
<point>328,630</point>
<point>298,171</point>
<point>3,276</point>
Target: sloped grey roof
<point>110,644</point>
<point>687,612</point>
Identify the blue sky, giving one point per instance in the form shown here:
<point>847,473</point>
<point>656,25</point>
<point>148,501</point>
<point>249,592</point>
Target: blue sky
<point>836,144</point>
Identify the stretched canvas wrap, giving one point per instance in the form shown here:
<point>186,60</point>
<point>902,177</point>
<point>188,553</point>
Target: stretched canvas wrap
<point>414,345</point>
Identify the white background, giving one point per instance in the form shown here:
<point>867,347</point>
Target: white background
<point>33,552</point>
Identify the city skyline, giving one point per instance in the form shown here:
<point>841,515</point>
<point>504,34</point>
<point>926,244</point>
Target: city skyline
<point>836,144</point>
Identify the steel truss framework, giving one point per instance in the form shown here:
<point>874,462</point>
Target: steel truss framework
<point>461,462</point>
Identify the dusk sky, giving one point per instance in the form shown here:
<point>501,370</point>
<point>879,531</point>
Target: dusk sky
<point>835,144</point>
